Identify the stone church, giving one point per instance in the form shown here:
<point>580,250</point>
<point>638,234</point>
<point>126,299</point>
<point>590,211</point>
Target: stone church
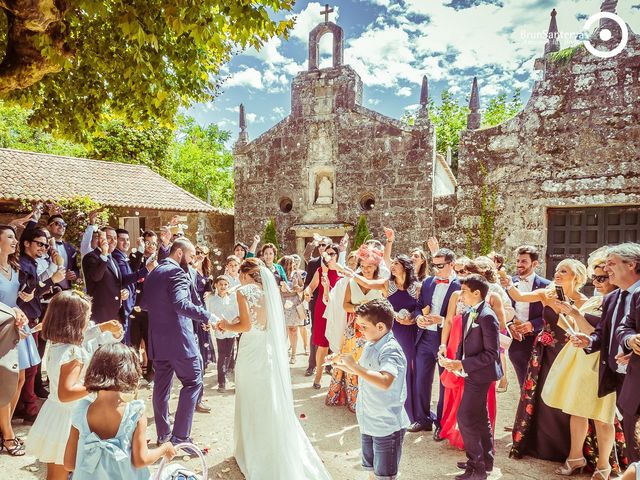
<point>332,160</point>
<point>563,174</point>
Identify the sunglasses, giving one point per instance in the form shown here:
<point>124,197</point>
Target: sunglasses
<point>460,272</point>
<point>333,254</point>
<point>440,266</point>
<point>600,278</point>
<point>40,244</point>
<point>322,244</point>
<point>151,244</point>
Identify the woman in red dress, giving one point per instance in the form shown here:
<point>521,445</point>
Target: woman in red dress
<point>324,279</point>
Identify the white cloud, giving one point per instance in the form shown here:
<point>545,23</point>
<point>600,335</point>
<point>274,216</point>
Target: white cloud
<point>278,111</point>
<point>373,101</point>
<point>404,92</point>
<point>251,117</point>
<point>309,18</point>
<point>249,77</point>
<point>235,109</point>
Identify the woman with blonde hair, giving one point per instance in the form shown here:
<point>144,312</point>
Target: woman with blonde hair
<point>539,430</point>
<point>572,383</point>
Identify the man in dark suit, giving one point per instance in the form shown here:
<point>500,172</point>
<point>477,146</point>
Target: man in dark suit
<point>146,253</point>
<point>173,304</point>
<point>129,278</point>
<point>478,360</point>
<point>623,267</point>
<point>429,314</point>
<point>528,321</point>
<point>313,263</point>
<point>103,279</point>
<point>57,227</point>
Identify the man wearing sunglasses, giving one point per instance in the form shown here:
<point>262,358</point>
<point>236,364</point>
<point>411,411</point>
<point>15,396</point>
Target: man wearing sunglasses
<point>33,245</point>
<point>431,309</point>
<point>57,227</point>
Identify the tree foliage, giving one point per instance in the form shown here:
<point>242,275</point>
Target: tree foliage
<point>449,117</point>
<point>72,61</point>
<point>362,234</point>
<point>270,235</point>
<point>200,163</point>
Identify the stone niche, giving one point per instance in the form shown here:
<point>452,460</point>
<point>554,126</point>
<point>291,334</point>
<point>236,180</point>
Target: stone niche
<point>322,204</point>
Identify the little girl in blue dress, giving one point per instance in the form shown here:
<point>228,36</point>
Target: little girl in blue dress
<point>108,434</point>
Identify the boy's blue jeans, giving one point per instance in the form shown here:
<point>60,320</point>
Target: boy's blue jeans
<point>382,454</point>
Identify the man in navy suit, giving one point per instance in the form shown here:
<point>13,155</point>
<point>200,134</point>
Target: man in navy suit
<point>434,294</point>
<point>130,278</point>
<point>478,361</point>
<point>57,227</point>
<point>528,321</point>
<point>103,279</point>
<point>172,304</point>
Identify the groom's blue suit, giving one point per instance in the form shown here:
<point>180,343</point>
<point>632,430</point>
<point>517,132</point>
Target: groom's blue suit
<point>172,303</point>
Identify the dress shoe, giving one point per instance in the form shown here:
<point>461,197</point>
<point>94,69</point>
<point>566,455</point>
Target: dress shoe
<point>162,440</point>
<point>463,466</point>
<point>471,474</point>
<point>202,408</point>
<point>221,389</point>
<point>436,434</point>
<point>418,427</point>
<point>309,371</point>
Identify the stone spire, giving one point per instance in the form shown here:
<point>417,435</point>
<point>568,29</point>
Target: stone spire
<point>423,113</point>
<point>553,44</point>
<point>474,118</point>
<point>243,137</point>
<point>608,6</point>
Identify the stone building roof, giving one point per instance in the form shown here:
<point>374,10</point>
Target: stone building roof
<point>35,176</point>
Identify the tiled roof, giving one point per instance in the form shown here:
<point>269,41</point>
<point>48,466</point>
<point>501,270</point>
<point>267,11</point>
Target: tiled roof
<point>37,176</point>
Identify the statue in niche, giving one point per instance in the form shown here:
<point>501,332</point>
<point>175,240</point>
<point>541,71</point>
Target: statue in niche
<point>324,194</point>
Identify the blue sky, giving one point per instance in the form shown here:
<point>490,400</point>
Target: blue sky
<point>391,44</point>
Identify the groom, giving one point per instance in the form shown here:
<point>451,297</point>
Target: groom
<point>172,303</point>
<point>479,363</point>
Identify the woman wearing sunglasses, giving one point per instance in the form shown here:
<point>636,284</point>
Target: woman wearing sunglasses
<point>572,383</point>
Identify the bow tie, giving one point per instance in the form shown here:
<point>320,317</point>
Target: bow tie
<point>442,280</point>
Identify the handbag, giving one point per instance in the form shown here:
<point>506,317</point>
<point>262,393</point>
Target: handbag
<point>175,471</point>
<point>302,312</point>
<point>505,341</point>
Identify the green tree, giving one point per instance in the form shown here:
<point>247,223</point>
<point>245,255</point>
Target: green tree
<point>15,132</point>
<point>140,59</point>
<point>362,233</point>
<point>148,145</point>
<point>201,164</point>
<point>270,235</point>
<point>501,108</point>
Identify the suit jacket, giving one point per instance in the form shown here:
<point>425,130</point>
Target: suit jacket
<point>629,399</point>
<point>172,304</point>
<point>72,252</point>
<point>600,338</point>
<point>104,283</point>
<point>9,339</point>
<point>129,279</point>
<point>426,296</point>
<point>30,282</point>
<point>481,346</point>
<point>137,261</point>
<point>535,308</point>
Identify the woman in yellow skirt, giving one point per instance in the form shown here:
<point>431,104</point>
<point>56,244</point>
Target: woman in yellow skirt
<point>572,383</point>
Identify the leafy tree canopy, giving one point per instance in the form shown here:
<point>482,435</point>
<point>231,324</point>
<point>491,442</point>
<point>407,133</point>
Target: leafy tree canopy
<point>71,61</point>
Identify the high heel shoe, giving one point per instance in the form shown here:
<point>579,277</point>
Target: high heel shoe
<point>603,474</point>
<point>568,469</point>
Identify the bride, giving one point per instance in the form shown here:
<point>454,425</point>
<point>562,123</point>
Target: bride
<point>270,443</point>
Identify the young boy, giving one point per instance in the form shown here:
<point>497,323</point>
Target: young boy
<point>382,390</point>
<point>224,306</point>
<point>478,361</point>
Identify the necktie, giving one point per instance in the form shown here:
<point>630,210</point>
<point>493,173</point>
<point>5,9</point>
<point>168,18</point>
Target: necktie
<point>442,280</point>
<point>613,345</point>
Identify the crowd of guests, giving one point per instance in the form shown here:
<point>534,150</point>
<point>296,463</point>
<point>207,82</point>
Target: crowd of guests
<point>576,358</point>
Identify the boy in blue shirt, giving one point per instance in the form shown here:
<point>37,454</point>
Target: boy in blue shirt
<point>382,390</point>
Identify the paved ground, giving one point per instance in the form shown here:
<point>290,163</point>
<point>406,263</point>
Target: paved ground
<point>333,431</point>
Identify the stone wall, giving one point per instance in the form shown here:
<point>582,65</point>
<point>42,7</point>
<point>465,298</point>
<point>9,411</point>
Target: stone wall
<point>576,143</point>
<point>369,158</point>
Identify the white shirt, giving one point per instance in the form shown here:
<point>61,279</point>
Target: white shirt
<point>522,308</point>
<point>85,244</point>
<point>65,284</point>
<point>224,307</point>
<point>627,306</point>
<point>438,298</point>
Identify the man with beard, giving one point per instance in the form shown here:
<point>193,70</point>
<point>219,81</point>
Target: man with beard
<point>173,304</point>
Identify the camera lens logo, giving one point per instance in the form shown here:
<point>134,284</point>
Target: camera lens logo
<point>605,34</point>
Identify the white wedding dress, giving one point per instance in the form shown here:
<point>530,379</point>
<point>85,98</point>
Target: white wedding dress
<point>270,443</point>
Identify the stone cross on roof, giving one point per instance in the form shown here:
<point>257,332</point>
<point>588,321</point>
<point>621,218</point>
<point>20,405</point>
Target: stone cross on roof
<point>326,12</point>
